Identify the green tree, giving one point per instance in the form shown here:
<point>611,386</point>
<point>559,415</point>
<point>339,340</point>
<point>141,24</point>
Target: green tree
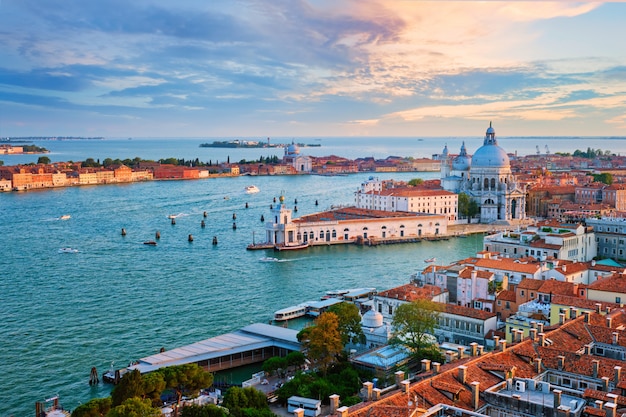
<point>605,178</point>
<point>90,163</point>
<point>413,323</point>
<point>467,206</point>
<point>134,407</point>
<point>130,386</point>
<point>153,385</point>
<point>97,407</point>
<point>239,399</point>
<point>186,379</point>
<point>295,358</point>
<point>107,162</point>
<point>323,344</point>
<point>43,160</point>
<point>349,322</point>
<point>415,182</point>
<point>209,410</point>
<point>273,364</point>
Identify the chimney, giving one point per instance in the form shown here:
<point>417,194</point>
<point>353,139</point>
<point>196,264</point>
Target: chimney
<point>405,386</point>
<point>561,362</point>
<point>462,372</point>
<point>605,383</point>
<point>609,322</point>
<point>436,366</point>
<point>533,334</point>
<point>618,374</point>
<point>615,338</point>
<point>343,411</point>
<point>399,377</point>
<point>599,404</point>
<point>298,412</point>
<point>475,394</point>
<point>561,318</point>
<point>595,366</point>
<point>540,327</point>
<point>496,340</point>
<point>533,324</point>
<point>611,409</point>
<point>376,394</point>
<point>542,339</point>
<point>563,411</point>
<point>460,349</point>
<point>587,315</point>
<point>367,388</point>
<point>573,312</point>
<point>474,348</point>
<point>557,397</point>
<point>425,365</point>
<point>334,403</point>
<point>449,356</point>
<point>502,345</point>
<point>481,350</point>
<point>538,365</point>
<point>520,335</point>
<point>598,307</point>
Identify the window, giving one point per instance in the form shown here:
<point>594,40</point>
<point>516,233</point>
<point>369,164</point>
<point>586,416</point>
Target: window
<point>390,310</point>
<point>618,300</point>
<point>522,293</point>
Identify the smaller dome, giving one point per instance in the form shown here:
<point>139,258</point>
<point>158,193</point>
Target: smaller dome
<point>445,151</point>
<point>293,149</point>
<point>461,163</point>
<point>372,319</point>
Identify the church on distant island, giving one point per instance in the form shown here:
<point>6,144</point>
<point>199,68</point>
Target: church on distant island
<point>486,177</point>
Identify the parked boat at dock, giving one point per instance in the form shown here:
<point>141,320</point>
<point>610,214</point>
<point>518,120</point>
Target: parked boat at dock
<point>299,246</point>
<point>291,312</point>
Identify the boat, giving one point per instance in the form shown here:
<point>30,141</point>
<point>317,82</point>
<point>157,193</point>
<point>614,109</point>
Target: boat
<point>270,259</point>
<point>68,250</point>
<point>297,246</point>
<point>290,312</point>
<point>150,243</point>
<point>65,217</point>
<point>430,260</point>
<point>252,189</point>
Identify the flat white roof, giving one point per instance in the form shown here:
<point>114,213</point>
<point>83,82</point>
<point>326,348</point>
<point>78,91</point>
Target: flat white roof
<point>251,337</point>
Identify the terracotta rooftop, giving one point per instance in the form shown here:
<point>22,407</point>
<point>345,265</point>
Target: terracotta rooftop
<point>614,283</point>
<point>507,295</point>
<point>353,213</point>
<point>468,312</point>
<point>553,286</point>
<point>412,292</point>
<point>529,284</point>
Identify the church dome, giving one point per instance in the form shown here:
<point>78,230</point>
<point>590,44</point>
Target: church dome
<point>292,149</point>
<point>372,319</point>
<point>461,162</point>
<point>490,155</point>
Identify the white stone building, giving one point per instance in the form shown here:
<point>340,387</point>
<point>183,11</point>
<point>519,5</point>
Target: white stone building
<point>301,163</point>
<point>487,179</point>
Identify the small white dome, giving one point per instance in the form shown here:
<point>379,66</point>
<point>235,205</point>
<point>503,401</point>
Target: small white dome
<point>372,319</point>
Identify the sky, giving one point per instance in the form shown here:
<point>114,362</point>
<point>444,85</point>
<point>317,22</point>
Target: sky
<point>311,68</point>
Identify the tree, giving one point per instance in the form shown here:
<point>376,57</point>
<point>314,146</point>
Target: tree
<point>324,341</point>
<point>273,364</point>
<point>349,322</point>
<point>130,386</point>
<point>413,323</point>
<point>43,160</point>
<point>605,178</point>
<point>186,379</point>
<point>107,162</point>
<point>467,206</point>
<point>134,407</point>
<point>90,162</point>
<point>209,410</point>
<point>415,182</point>
<point>153,385</point>
<point>237,400</point>
<point>96,407</point>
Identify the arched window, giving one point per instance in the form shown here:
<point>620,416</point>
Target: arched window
<point>334,234</point>
<point>493,183</point>
<point>486,183</point>
<point>311,235</point>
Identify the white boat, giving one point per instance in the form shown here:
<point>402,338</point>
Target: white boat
<point>429,260</point>
<point>252,189</point>
<point>290,312</point>
<point>270,259</point>
<point>68,250</point>
<point>65,217</point>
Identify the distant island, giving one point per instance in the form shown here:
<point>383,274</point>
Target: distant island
<point>24,149</point>
<point>253,144</point>
<point>34,138</point>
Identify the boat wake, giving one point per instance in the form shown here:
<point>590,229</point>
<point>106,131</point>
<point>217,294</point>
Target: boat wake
<point>269,259</point>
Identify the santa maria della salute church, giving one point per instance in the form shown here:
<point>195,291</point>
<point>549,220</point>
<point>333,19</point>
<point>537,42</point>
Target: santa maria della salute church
<point>486,177</point>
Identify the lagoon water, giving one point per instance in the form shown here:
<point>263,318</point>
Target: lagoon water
<point>117,300</point>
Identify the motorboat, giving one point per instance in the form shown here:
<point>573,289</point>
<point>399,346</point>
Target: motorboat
<point>430,260</point>
<point>252,189</point>
<point>150,243</point>
<point>298,246</point>
<point>68,250</point>
<point>65,217</point>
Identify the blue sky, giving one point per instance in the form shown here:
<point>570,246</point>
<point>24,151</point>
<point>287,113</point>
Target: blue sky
<point>296,68</point>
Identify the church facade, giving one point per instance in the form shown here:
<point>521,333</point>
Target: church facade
<point>487,179</point>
